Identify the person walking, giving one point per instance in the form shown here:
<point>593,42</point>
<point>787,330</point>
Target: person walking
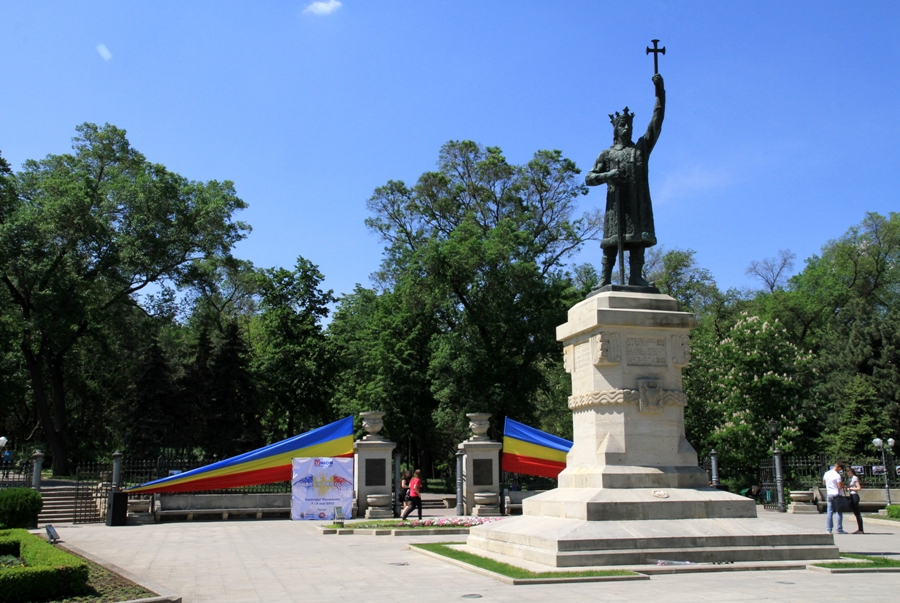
<point>403,494</point>
<point>415,495</point>
<point>855,486</point>
<point>833,487</point>
<point>7,459</point>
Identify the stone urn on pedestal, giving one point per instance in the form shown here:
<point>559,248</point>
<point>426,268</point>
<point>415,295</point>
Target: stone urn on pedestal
<point>481,468</point>
<point>372,469</point>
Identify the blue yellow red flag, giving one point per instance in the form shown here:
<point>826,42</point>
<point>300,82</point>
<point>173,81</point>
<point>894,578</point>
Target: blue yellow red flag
<point>264,465</point>
<point>531,451</point>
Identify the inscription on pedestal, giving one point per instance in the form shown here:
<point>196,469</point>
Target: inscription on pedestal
<point>375,472</point>
<point>646,351</point>
<point>582,356</point>
<point>483,470</point>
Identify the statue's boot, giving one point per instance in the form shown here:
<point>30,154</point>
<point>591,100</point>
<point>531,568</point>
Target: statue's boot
<point>607,263</point>
<point>636,267</point>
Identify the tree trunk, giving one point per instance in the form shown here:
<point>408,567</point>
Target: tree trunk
<point>57,444</point>
<point>55,367</point>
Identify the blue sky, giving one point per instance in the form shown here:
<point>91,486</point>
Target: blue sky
<point>781,129</point>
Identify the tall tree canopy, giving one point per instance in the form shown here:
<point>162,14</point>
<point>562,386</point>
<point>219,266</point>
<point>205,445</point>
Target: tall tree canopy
<point>82,233</point>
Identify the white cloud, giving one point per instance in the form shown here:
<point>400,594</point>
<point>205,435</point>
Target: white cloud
<point>322,7</point>
<point>104,52</point>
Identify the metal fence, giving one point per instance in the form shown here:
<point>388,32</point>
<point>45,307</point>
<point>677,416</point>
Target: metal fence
<point>93,484</point>
<point>16,474</point>
<point>168,467</point>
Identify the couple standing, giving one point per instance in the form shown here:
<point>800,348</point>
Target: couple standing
<point>834,486</point>
<point>411,493</point>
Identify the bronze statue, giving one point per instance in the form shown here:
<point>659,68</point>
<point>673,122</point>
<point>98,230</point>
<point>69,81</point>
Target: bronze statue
<point>629,212</point>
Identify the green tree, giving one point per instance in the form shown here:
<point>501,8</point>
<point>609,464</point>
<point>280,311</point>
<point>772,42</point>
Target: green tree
<point>292,363</point>
<point>480,242</point>
<point>232,421</point>
<point>153,415</point>
<point>737,385</point>
<point>82,234</point>
<point>382,346</point>
<point>676,273</point>
<point>858,418</point>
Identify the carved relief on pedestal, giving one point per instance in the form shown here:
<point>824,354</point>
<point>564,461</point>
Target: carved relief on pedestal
<point>650,394</point>
<point>664,397</point>
<point>606,349</point>
<point>569,358</point>
<point>681,350</point>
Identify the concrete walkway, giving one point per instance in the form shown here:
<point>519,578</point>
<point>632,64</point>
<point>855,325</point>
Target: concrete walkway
<point>280,560</point>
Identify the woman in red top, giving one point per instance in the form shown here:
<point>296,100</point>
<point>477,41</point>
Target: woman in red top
<point>415,495</point>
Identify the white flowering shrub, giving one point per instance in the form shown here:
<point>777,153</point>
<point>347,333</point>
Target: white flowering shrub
<point>737,385</point>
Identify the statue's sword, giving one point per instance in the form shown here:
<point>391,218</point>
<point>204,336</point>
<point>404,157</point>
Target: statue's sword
<point>620,221</point>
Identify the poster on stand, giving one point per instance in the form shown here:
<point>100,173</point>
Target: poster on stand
<point>318,485</point>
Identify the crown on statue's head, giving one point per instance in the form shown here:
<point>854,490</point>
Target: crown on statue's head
<point>623,117</point>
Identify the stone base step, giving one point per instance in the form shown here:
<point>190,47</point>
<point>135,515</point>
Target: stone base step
<point>575,543</point>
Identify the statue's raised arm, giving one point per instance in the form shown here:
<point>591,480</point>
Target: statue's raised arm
<point>659,113</point>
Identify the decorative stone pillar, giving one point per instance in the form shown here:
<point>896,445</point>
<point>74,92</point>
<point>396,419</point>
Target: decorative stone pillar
<point>38,457</point>
<point>372,469</point>
<point>117,471</point>
<point>481,469</point>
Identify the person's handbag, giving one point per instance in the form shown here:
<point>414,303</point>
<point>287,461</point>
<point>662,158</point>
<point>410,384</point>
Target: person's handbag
<point>840,503</point>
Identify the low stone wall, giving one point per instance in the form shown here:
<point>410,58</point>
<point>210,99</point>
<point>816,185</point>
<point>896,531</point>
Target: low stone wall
<point>189,506</point>
<point>870,499</point>
<point>184,502</point>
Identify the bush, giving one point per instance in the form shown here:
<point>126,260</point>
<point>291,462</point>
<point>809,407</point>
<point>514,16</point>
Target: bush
<point>893,511</point>
<point>50,572</point>
<point>19,507</point>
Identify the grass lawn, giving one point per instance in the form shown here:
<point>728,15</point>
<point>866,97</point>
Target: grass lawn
<point>511,571</point>
<point>872,562</point>
<point>877,516</point>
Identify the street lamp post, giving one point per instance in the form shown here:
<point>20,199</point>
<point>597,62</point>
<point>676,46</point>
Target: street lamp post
<point>773,428</point>
<point>460,506</point>
<point>779,481</point>
<point>882,445</point>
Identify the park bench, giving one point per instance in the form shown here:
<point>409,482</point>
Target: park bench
<point>225,506</point>
<point>514,500</point>
<point>870,499</point>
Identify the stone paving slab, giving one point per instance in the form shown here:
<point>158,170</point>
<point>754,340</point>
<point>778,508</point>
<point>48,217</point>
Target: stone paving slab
<point>280,560</point>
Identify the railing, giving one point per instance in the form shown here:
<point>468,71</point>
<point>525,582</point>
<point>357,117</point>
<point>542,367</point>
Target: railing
<point>16,474</point>
<point>93,484</point>
<point>167,467</point>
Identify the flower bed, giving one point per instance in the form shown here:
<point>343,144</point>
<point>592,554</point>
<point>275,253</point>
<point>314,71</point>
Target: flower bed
<point>430,523</point>
<point>447,522</point>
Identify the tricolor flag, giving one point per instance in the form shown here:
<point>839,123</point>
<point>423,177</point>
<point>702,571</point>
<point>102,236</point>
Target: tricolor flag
<point>531,451</point>
<point>265,465</point>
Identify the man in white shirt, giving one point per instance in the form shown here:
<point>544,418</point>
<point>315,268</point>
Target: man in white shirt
<point>833,487</point>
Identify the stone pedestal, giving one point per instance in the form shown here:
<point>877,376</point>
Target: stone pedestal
<point>802,502</point>
<point>372,470</point>
<point>481,469</point>
<point>632,491</point>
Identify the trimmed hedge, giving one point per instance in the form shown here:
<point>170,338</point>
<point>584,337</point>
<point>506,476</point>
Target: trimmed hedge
<point>893,511</point>
<point>19,507</point>
<point>50,572</point>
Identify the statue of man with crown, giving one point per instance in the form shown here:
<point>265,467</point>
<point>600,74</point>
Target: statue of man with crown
<point>623,168</point>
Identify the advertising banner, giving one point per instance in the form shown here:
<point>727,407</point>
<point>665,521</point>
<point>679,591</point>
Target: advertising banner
<point>318,485</point>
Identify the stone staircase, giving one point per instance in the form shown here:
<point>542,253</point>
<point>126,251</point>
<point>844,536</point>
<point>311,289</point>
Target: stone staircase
<point>59,505</point>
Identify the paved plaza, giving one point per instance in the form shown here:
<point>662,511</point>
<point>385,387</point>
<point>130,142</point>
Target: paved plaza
<point>280,560</point>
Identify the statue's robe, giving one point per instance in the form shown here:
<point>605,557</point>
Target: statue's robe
<point>635,190</point>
